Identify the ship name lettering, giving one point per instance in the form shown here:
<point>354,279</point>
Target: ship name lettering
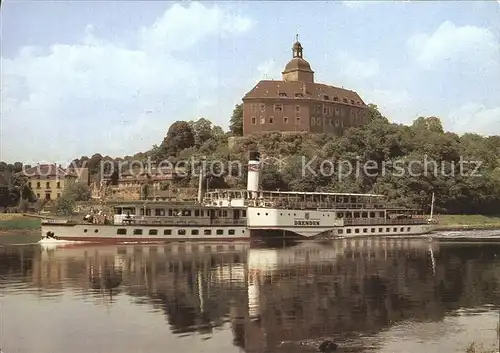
<point>306,223</point>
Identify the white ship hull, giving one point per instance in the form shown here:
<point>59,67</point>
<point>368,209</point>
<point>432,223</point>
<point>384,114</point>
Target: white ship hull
<point>311,223</point>
<point>142,233</point>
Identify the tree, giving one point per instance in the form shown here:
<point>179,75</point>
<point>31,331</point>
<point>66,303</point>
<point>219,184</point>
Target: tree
<point>79,191</point>
<point>236,121</point>
<point>65,204</point>
<point>180,135</point>
<point>202,129</point>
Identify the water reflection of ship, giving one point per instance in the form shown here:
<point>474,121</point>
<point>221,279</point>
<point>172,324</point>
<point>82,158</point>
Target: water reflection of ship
<point>291,289</point>
<point>271,295</point>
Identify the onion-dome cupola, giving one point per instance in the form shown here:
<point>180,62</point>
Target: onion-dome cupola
<point>298,69</point>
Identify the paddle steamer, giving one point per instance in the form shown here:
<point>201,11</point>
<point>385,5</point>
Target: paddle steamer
<point>229,214</point>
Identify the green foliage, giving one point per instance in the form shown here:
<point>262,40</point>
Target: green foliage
<point>72,193</point>
<point>144,191</point>
<point>79,191</point>
<point>236,121</point>
<point>65,204</point>
<point>180,136</point>
<point>389,148</point>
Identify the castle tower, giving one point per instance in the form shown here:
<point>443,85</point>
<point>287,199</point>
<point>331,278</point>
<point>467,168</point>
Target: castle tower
<point>298,69</point>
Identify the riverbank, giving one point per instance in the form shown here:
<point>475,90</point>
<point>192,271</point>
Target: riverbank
<point>467,222</point>
<point>16,223</point>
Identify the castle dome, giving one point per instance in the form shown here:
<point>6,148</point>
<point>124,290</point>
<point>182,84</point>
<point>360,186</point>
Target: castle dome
<point>298,69</point>
<point>297,64</point>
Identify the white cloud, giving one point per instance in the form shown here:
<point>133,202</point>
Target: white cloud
<point>356,69</point>
<point>181,27</point>
<point>474,117</point>
<point>99,96</point>
<point>396,105</point>
<point>359,4</point>
<point>269,70</point>
<point>450,44</point>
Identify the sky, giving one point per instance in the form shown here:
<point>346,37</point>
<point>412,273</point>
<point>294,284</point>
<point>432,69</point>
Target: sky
<point>110,77</point>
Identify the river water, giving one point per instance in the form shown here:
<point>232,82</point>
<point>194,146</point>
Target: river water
<point>378,295</point>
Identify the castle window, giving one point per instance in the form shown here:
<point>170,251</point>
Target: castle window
<point>271,120</point>
<point>278,107</point>
<point>352,101</point>
<point>253,108</point>
<point>344,100</point>
<point>254,120</point>
<point>285,120</point>
<point>326,97</point>
<point>282,94</point>
<point>297,108</point>
<point>336,99</point>
<point>297,121</point>
<point>262,107</point>
<point>299,95</point>
<point>262,120</point>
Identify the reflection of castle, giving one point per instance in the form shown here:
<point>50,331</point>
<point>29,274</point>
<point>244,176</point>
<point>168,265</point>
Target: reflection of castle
<point>304,291</point>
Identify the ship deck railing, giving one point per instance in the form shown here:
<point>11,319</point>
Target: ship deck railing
<point>284,204</point>
<point>382,221</point>
<point>181,221</point>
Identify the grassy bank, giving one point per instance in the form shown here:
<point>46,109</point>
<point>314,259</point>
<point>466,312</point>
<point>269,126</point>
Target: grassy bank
<point>464,222</point>
<point>14,221</point>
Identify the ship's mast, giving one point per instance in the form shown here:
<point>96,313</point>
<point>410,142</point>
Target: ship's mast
<point>432,207</point>
<point>200,181</point>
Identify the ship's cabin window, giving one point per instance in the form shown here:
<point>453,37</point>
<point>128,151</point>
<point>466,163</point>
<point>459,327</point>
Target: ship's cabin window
<point>194,231</point>
<point>341,231</point>
<point>125,210</point>
<point>148,212</point>
<point>372,214</point>
<point>356,230</point>
<point>373,230</point>
<point>137,231</point>
<point>207,232</point>
<point>220,231</point>
<point>181,232</point>
<point>121,231</point>
<point>364,215</point>
<point>159,212</point>
<point>167,232</point>
<point>341,215</point>
<point>388,230</point>
<point>365,230</point>
<point>349,231</point>
<point>196,213</point>
<point>243,213</point>
<point>153,232</point>
<point>230,232</point>
<point>380,230</point>
<point>356,214</point>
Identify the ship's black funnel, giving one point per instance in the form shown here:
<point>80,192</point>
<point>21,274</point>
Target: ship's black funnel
<point>254,156</point>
